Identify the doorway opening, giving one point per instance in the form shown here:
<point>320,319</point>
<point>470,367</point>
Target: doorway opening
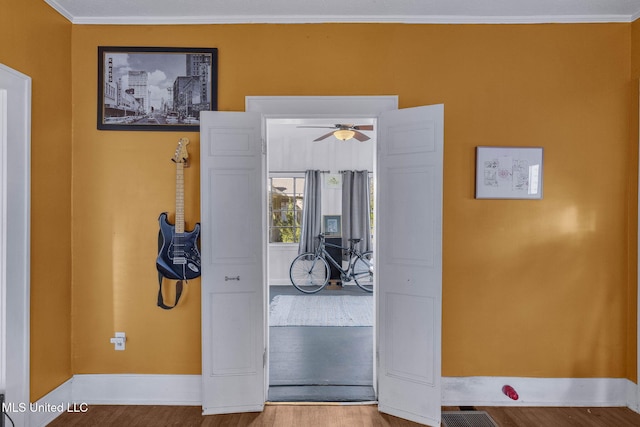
<point>314,353</point>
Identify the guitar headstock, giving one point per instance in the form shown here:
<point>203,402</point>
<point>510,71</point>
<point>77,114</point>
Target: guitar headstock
<point>181,155</point>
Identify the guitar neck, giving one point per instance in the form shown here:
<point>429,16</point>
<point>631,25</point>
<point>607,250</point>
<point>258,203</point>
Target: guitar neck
<point>179,222</point>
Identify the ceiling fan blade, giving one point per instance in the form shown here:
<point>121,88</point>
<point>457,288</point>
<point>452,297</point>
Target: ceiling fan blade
<point>363,127</point>
<point>317,127</point>
<point>323,137</point>
<point>360,136</point>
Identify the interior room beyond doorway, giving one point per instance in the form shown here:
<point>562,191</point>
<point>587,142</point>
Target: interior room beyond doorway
<point>313,363</point>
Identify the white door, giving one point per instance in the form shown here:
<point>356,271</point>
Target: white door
<point>233,305</point>
<point>409,262</point>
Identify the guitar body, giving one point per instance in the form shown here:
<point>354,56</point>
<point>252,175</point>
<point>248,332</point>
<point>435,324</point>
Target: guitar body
<point>178,254</point>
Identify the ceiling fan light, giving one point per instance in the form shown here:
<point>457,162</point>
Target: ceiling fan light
<point>344,134</point>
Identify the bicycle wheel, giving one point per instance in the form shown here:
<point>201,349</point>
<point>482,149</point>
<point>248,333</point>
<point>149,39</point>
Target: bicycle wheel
<point>308,273</point>
<point>362,271</point>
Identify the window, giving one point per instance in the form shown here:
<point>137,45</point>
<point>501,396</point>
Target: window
<point>285,209</point>
<point>286,194</point>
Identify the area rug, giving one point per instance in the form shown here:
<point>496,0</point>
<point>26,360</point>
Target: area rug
<point>321,310</point>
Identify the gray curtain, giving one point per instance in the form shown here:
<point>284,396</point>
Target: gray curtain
<point>311,212</point>
<point>355,209</point>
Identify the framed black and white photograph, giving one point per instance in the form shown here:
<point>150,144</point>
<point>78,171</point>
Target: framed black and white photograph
<point>155,88</point>
<point>509,173</point>
<point>332,225</point>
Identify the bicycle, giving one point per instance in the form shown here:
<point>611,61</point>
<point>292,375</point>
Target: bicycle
<point>310,271</point>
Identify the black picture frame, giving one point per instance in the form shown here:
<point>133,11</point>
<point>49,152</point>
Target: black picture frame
<point>155,88</point>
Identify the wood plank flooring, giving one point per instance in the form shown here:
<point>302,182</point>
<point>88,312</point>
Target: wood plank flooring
<point>561,417</point>
<point>274,415</point>
<point>283,415</point>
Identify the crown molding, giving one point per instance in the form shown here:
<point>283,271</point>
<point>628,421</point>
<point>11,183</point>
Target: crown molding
<point>339,18</point>
<point>373,19</point>
<point>61,10</point>
<point>322,19</point>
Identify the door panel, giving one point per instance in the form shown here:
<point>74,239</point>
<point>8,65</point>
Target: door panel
<point>232,267</point>
<point>235,200</point>
<point>414,326</point>
<point>409,262</point>
<point>414,249</point>
<point>236,356</point>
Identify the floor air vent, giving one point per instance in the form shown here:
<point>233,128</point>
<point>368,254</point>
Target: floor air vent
<point>467,419</point>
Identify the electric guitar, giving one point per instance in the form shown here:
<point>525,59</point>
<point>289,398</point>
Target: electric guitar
<point>178,257</point>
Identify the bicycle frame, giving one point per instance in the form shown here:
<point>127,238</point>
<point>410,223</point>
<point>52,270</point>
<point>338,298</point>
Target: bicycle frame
<point>322,251</point>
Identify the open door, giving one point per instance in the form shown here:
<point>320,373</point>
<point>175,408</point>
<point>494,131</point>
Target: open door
<point>408,254</point>
<point>409,262</point>
<point>233,307</point>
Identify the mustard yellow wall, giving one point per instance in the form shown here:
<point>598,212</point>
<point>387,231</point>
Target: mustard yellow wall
<point>531,288</point>
<point>36,40</point>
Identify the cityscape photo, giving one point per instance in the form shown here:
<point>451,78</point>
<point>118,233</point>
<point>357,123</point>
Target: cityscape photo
<point>152,88</point>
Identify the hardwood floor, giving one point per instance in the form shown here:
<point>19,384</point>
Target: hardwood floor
<point>301,415</point>
<point>279,415</point>
<point>560,417</point>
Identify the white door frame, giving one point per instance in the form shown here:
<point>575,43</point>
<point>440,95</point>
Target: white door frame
<point>3,239</point>
<point>290,107</point>
<point>15,137</point>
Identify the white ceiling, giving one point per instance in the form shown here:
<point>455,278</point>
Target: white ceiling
<point>290,130</point>
<point>316,11</point>
<point>291,147</point>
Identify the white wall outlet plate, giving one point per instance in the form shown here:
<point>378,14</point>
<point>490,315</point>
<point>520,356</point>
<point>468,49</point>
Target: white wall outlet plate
<point>119,341</point>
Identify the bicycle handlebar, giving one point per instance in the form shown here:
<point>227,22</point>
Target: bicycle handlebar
<point>350,249</point>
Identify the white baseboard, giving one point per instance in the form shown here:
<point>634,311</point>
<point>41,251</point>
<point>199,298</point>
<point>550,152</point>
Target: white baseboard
<point>137,389</point>
<point>51,405</point>
<point>633,396</point>
<point>487,391</point>
<point>141,389</point>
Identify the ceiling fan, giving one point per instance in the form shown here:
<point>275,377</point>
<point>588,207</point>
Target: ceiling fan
<point>343,131</point>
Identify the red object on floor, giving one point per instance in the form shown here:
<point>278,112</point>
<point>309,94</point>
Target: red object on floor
<point>510,392</point>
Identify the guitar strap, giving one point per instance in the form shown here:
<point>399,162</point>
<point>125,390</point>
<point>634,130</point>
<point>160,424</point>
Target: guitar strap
<point>161,303</point>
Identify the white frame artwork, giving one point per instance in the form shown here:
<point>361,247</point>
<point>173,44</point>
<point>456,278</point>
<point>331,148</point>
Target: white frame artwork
<point>509,172</point>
